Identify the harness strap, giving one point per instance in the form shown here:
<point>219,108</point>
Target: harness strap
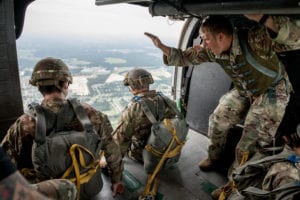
<point>262,69</point>
<point>79,159</point>
<point>171,105</point>
<point>148,112</point>
<point>81,115</point>
<point>152,182</point>
<point>40,128</point>
<point>287,188</point>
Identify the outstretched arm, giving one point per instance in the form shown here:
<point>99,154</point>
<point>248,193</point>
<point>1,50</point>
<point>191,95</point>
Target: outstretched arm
<point>156,41</point>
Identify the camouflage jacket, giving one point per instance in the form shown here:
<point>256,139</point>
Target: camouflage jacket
<point>259,41</point>
<point>134,127</point>
<point>19,139</point>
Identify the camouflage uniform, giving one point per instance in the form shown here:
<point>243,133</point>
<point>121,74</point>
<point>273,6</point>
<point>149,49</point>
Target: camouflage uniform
<point>261,112</point>
<point>14,186</point>
<point>135,128</point>
<point>18,141</point>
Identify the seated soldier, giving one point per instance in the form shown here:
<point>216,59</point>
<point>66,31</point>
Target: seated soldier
<point>135,124</point>
<point>14,186</point>
<point>134,127</point>
<point>52,77</point>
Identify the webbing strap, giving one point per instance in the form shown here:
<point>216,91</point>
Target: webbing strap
<point>148,112</point>
<point>171,105</point>
<point>152,182</point>
<point>283,156</point>
<point>40,127</point>
<point>79,179</point>
<point>262,69</point>
<point>287,188</point>
<point>81,115</point>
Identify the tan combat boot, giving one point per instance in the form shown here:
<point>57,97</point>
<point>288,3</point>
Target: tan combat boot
<point>206,165</point>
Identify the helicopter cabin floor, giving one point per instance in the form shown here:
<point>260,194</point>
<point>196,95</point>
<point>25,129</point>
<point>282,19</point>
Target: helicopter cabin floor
<point>184,181</point>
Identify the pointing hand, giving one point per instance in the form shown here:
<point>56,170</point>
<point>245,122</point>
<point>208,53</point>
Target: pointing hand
<point>156,41</point>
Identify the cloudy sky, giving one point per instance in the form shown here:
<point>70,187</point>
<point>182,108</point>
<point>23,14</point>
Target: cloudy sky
<point>82,18</point>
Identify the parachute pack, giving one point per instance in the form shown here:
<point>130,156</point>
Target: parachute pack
<point>65,153</point>
<point>164,144</point>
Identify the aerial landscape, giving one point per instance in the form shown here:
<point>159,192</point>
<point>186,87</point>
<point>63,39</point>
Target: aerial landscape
<point>98,70</point>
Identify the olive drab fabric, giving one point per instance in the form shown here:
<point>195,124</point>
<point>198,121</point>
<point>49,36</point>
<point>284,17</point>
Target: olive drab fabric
<point>272,177</point>
<point>51,154</point>
<point>50,71</point>
<point>162,132</point>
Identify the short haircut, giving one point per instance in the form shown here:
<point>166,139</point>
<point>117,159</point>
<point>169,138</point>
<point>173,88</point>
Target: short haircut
<point>217,24</point>
<point>48,89</point>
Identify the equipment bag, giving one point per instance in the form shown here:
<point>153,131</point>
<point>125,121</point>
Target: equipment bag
<point>65,153</point>
<point>249,177</point>
<point>162,132</point>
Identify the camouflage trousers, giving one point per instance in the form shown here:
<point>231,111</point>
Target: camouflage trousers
<point>15,187</point>
<point>261,117</point>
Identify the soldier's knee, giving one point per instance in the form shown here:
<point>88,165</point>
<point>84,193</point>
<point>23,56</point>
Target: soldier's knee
<point>60,189</point>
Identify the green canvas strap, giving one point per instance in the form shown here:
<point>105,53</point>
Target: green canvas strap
<point>285,192</point>
<point>81,115</point>
<point>40,127</point>
<point>148,112</point>
<point>283,156</point>
<point>171,105</point>
<point>262,69</point>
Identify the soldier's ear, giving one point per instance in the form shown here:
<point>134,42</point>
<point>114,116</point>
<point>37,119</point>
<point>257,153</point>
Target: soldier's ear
<point>66,85</point>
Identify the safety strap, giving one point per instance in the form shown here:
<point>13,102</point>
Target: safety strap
<point>148,112</point>
<point>288,191</point>
<point>81,115</point>
<point>262,69</point>
<point>40,129</point>
<point>150,115</point>
<point>75,149</point>
<point>171,105</point>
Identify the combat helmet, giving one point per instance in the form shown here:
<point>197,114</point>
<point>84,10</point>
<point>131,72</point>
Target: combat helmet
<point>138,78</point>
<point>50,71</point>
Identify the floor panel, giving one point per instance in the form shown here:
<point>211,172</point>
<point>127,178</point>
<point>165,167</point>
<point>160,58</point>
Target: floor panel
<point>183,181</point>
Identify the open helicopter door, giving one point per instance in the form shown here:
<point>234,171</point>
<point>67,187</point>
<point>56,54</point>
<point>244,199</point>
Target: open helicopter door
<point>11,105</point>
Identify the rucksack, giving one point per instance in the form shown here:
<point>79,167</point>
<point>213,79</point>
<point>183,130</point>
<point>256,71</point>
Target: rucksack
<point>65,153</point>
<point>249,177</point>
<point>162,132</point>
